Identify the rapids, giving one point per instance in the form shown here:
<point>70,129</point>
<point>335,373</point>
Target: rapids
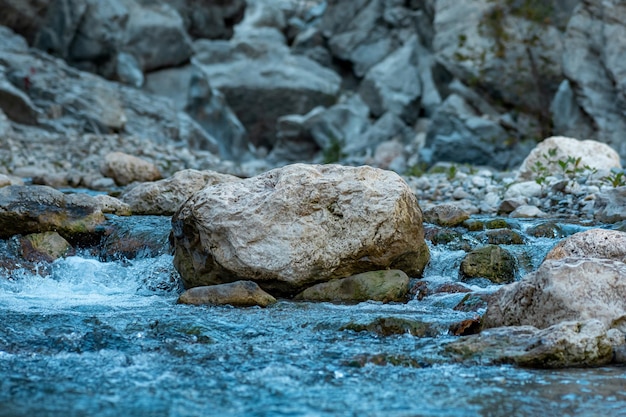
<point>105,337</point>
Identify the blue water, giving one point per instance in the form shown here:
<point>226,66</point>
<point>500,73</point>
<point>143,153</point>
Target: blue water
<point>95,338</point>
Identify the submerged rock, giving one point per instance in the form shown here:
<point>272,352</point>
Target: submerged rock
<point>503,237</point>
<point>549,229</point>
<point>385,286</point>
<point>299,225</point>
<point>237,294</point>
<point>164,197</point>
<point>131,237</point>
<point>562,290</point>
<point>389,326</point>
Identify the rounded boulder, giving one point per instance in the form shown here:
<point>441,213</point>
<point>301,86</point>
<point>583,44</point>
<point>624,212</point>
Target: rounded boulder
<point>299,225</point>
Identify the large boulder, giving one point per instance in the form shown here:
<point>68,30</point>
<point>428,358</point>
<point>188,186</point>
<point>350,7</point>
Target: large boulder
<point>593,62</point>
<point>191,91</point>
<point>394,83</point>
<point>100,36</point>
<point>299,225</point>
<point>210,20</point>
<point>261,81</point>
<point>460,133</point>
<point>593,243</point>
<point>23,16</point>
<point>164,197</point>
<point>357,33</point>
<point>37,208</point>
<point>569,289</point>
<point>512,50</point>
<point>559,148</point>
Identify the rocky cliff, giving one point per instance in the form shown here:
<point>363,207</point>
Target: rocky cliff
<point>246,86</point>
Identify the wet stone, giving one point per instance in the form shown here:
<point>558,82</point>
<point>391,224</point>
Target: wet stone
<point>473,302</point>
<point>237,294</point>
<point>550,230</point>
<point>503,237</point>
<point>46,247</point>
<point>386,286</point>
<point>389,326</point>
<point>473,225</point>
<point>492,262</point>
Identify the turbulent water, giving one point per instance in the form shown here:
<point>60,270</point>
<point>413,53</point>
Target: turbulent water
<point>94,338</point>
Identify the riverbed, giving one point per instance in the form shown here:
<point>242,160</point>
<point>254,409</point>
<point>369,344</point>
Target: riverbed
<point>92,337</point>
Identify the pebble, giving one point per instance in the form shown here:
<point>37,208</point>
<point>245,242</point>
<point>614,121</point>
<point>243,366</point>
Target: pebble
<point>527,212</point>
<point>490,193</point>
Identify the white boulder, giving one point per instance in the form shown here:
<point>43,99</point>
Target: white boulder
<point>299,225</point>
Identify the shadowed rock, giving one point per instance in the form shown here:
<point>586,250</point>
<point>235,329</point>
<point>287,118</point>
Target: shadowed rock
<point>37,208</point>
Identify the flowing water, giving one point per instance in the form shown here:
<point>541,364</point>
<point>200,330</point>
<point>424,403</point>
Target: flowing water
<point>97,338</point>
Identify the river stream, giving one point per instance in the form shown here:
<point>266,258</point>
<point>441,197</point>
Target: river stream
<point>98,338</point>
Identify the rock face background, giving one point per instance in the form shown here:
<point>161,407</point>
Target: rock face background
<point>245,86</point>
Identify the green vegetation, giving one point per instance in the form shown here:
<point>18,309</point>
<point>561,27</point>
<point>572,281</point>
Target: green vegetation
<point>334,152</point>
<point>570,169</point>
<point>615,178</point>
<point>416,170</point>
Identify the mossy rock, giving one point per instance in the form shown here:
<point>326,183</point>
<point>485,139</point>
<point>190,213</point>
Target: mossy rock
<point>473,225</point>
<point>47,247</point>
<point>503,237</point>
<point>497,224</point>
<point>386,286</point>
<point>445,236</point>
<point>389,326</point>
<point>492,262</point>
<point>38,208</point>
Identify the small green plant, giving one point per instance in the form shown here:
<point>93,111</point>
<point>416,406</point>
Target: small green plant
<point>615,178</point>
<point>416,170</point>
<point>334,152</point>
<point>570,168</point>
<point>451,173</point>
